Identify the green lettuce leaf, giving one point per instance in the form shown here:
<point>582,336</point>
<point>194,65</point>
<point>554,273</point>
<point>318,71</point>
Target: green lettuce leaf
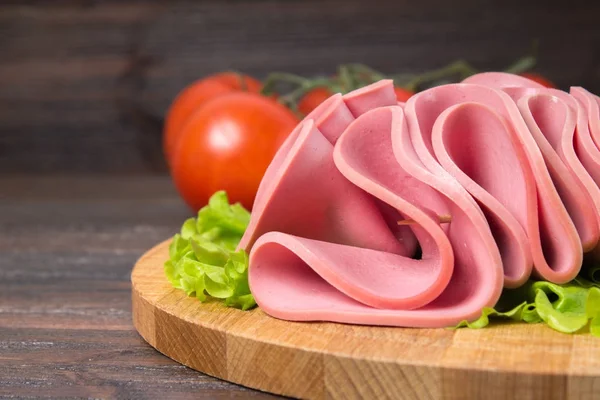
<point>567,308</point>
<point>566,314</point>
<point>521,312</point>
<point>202,257</point>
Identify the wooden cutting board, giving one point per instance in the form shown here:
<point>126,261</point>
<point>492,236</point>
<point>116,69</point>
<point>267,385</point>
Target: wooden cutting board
<point>328,360</point>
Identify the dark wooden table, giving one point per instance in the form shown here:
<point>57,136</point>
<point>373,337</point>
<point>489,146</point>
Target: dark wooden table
<point>67,247</point>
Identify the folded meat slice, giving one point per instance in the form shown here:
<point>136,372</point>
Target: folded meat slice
<point>591,103</point>
<point>586,141</point>
<point>325,206</point>
<point>552,123</point>
<point>303,193</point>
<point>331,116</point>
<point>502,80</point>
<point>555,246</point>
<point>372,96</point>
<point>374,278</point>
<point>309,197</point>
<point>299,278</point>
<point>587,136</point>
<point>478,172</point>
<point>476,147</point>
<point>550,115</point>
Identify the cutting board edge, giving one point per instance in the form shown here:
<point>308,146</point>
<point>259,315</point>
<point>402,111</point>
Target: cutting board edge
<point>329,374</point>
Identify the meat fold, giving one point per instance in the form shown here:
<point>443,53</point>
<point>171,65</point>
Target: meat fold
<point>418,214</point>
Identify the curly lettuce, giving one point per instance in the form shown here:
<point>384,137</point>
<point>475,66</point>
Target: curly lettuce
<point>567,308</point>
<point>203,260</point>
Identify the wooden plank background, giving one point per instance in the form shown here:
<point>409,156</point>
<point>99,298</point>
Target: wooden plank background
<point>84,84</point>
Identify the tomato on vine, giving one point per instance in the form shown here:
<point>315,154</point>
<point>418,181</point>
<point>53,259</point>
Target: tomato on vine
<point>228,145</point>
<point>403,94</point>
<point>196,95</point>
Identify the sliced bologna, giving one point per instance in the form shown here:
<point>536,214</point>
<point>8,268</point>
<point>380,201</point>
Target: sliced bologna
<point>475,146</point>
<point>304,194</point>
<point>291,277</point>
<point>552,117</point>
<point>586,138</point>
<point>552,123</point>
<point>477,173</point>
<point>555,244</point>
<point>307,278</point>
<point>502,80</point>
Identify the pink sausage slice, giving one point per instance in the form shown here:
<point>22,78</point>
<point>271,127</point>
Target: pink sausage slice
<point>585,144</point>
<point>378,279</point>
<point>280,207</point>
<point>552,123</point>
<point>552,127</point>
<point>501,156</point>
<point>591,103</point>
<point>559,259</point>
<point>475,146</point>
<point>290,277</point>
<point>309,197</point>
<point>502,80</point>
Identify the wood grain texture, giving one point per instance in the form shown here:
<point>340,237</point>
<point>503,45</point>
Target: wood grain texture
<point>327,360</point>
<point>84,84</point>
<point>67,245</point>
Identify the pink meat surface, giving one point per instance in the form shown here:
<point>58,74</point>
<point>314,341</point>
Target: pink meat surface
<point>551,117</point>
<point>487,177</point>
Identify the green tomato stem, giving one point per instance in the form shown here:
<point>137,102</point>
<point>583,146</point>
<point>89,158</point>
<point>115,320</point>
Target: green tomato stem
<point>355,75</point>
<point>521,65</point>
<point>277,77</point>
<point>461,68</point>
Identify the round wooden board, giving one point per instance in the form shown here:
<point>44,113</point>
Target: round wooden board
<point>328,360</point>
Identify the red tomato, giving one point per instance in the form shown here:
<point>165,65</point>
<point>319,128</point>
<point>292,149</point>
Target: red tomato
<point>197,94</point>
<point>312,99</point>
<point>539,79</point>
<point>237,81</point>
<point>402,94</point>
<point>228,145</point>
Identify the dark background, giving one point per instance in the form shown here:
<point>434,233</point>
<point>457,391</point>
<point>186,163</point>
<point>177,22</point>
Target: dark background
<point>84,84</point>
